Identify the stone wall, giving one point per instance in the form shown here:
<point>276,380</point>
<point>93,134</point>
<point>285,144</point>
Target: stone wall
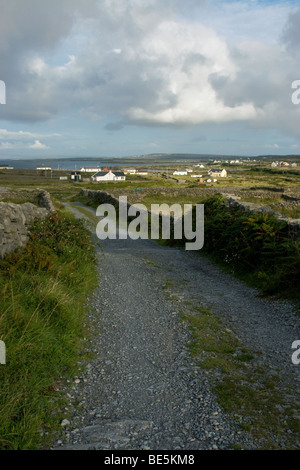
<point>100,197</point>
<point>15,221</point>
<point>293,224</point>
<point>232,200</point>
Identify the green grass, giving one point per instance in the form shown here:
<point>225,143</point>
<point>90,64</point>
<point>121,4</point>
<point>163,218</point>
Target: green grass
<point>44,288</point>
<point>252,395</point>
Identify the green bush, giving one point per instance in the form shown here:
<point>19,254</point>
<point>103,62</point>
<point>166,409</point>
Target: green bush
<point>254,245</point>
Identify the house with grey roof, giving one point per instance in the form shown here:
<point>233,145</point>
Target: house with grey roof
<point>109,176</point>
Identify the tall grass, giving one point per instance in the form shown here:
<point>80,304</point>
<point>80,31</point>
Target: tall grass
<point>43,303</point>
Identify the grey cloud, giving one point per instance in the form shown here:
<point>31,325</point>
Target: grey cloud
<point>114,126</point>
<point>30,28</point>
<point>264,76</point>
<point>112,82</point>
<point>193,59</point>
<point>291,33</point>
<point>113,73</point>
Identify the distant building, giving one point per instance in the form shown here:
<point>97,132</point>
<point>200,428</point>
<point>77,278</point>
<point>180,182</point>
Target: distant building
<point>43,168</point>
<point>180,173</point>
<point>109,176</point>
<point>218,172</point>
<point>76,176</point>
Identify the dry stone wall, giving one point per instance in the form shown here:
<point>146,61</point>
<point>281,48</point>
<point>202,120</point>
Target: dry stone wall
<point>293,224</point>
<point>232,200</point>
<point>15,221</point>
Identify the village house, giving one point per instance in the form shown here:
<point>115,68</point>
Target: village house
<point>218,172</point>
<point>76,176</point>
<point>180,173</point>
<point>108,175</point>
<point>44,168</point>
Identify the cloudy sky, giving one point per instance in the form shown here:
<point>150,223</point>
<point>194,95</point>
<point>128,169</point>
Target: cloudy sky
<point>130,77</point>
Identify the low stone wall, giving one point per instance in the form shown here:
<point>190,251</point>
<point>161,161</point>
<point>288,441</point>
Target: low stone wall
<point>15,221</point>
<point>293,224</point>
<point>232,200</point>
<point>100,197</point>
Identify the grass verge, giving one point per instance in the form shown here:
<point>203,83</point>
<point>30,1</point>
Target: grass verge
<point>252,395</point>
<point>43,303</point>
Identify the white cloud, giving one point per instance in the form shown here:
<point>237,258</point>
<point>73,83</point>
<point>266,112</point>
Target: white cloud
<point>38,145</point>
<point>185,56</point>
<point>272,146</point>
<point>24,135</point>
<point>24,140</point>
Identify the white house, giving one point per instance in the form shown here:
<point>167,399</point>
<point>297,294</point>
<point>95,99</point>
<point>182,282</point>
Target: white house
<point>76,176</point>
<point>218,172</point>
<point>108,176</point>
<point>180,173</point>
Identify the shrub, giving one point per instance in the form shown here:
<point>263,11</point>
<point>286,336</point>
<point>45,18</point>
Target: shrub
<point>255,245</point>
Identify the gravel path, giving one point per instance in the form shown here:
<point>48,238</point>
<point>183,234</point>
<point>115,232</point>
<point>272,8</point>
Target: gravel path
<point>142,390</point>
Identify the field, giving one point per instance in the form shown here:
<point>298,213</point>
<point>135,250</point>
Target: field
<point>242,178</point>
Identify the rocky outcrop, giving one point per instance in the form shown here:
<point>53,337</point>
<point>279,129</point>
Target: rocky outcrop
<point>44,200</point>
<point>15,221</point>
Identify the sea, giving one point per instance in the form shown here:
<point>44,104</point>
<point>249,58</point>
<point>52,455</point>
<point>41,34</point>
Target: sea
<point>68,163</point>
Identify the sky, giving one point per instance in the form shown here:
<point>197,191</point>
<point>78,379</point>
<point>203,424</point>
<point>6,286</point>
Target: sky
<point>115,78</point>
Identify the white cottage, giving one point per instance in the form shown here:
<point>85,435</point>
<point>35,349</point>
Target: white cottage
<point>108,176</point>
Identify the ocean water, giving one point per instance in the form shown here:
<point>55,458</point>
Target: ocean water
<point>64,163</point>
<point>77,164</point>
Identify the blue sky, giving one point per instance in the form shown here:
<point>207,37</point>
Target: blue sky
<point>129,77</point>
